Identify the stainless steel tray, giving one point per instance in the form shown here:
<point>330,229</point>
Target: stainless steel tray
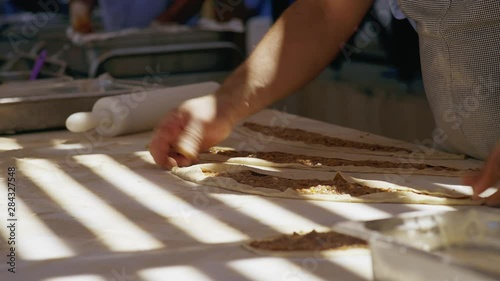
<point>454,246</point>
<point>19,67</point>
<point>170,59</point>
<point>53,37</point>
<point>36,105</point>
<point>99,46</point>
<point>18,76</point>
<point>135,37</point>
<point>25,62</point>
<point>20,79</point>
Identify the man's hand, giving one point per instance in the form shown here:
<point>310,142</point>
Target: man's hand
<point>80,11</point>
<point>194,126</point>
<point>487,177</point>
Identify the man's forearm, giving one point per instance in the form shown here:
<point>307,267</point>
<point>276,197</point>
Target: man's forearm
<point>296,49</point>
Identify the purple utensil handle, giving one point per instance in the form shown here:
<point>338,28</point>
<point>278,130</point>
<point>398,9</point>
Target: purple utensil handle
<point>40,60</point>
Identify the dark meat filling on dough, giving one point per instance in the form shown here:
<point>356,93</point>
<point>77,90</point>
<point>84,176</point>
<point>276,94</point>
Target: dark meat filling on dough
<point>313,241</point>
<point>315,138</point>
<point>337,186</point>
<point>306,160</point>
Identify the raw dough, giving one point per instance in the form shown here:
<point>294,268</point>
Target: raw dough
<point>301,138</point>
<point>302,161</point>
<point>312,244</point>
<point>388,192</point>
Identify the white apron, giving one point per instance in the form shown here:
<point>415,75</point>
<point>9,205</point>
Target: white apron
<point>460,55</point>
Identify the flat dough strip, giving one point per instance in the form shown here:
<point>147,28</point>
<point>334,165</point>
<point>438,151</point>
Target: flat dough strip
<point>339,245</point>
<point>299,138</point>
<point>301,161</point>
<point>306,254</point>
<point>402,194</point>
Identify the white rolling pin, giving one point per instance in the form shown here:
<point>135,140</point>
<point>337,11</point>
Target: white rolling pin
<point>136,112</point>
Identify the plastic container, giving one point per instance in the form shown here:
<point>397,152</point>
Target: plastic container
<point>454,246</point>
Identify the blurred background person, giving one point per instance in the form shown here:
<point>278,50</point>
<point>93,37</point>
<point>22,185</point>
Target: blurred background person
<point>121,14</point>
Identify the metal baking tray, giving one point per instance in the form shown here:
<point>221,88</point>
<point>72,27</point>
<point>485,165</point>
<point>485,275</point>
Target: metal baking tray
<point>457,245</point>
<point>36,105</point>
<point>25,62</point>
<point>144,44</point>
<point>27,84</point>
<point>170,59</point>
<point>19,67</point>
<point>134,37</point>
<point>21,33</point>
<point>18,76</point>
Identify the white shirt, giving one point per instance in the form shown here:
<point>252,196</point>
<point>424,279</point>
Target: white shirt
<point>397,13</point>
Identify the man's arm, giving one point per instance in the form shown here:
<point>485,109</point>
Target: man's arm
<point>296,49</point>
<point>299,46</point>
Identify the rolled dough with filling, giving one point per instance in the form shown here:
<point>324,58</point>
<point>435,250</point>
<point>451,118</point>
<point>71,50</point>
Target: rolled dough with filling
<point>312,244</point>
<point>317,185</point>
<point>302,161</point>
<point>301,138</point>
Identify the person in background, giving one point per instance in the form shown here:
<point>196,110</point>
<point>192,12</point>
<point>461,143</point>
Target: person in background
<point>224,11</point>
<point>460,67</point>
<point>121,14</point>
<point>18,6</point>
<point>8,7</point>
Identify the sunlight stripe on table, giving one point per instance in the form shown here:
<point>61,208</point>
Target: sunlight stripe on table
<point>108,225</point>
<point>36,241</point>
<point>155,199</point>
<point>360,266</point>
<point>85,277</point>
<point>180,272</point>
<point>263,269</point>
<point>9,144</point>
<point>353,211</point>
<point>261,208</point>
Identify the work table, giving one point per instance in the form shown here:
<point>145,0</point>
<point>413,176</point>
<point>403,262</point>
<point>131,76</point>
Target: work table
<point>99,209</point>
